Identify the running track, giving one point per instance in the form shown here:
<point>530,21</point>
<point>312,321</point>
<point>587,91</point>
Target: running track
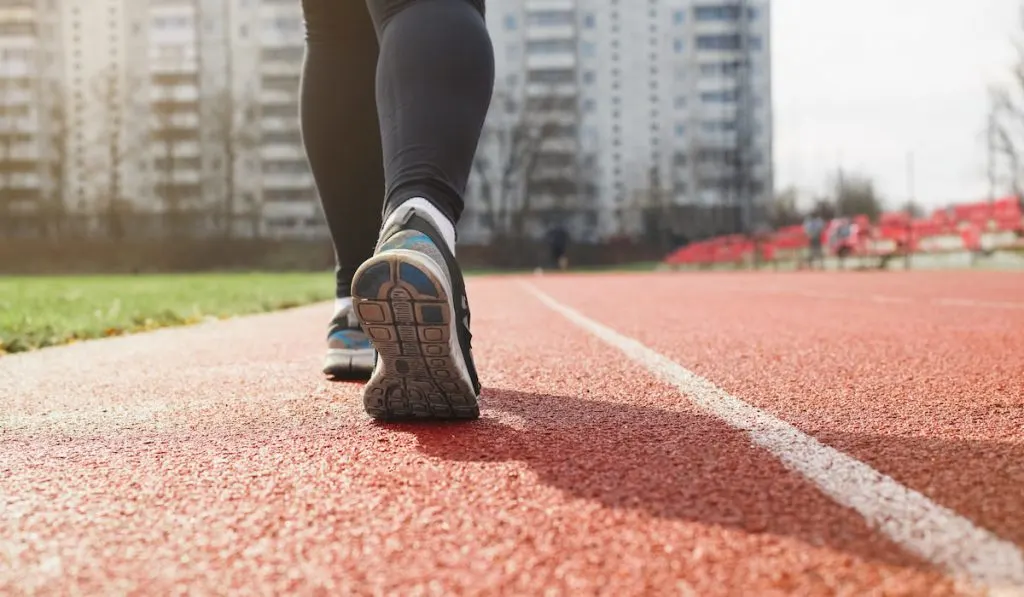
<point>656,434</point>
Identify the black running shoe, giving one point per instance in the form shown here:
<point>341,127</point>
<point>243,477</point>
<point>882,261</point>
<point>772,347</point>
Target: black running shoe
<point>410,299</point>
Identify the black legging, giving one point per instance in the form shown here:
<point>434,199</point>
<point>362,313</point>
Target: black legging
<point>419,105</point>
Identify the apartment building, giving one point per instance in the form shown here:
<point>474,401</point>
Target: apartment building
<point>219,86</point>
<point>30,117</point>
<point>180,138</point>
<point>672,103</point>
<point>104,94</point>
<point>290,204</point>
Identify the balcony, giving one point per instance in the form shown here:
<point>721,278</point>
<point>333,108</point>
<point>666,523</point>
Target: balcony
<point>280,68</point>
<point>549,32</point>
<point>281,125</point>
<point>182,176</point>
<point>269,152</point>
<point>183,149</point>
<point>181,93</point>
<point>288,181</point>
<point>24,180</point>
<point>289,205</point>
<point>278,97</point>
<point>551,62</point>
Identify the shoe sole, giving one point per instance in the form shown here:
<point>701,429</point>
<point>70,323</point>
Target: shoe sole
<point>348,364</point>
<point>404,306</point>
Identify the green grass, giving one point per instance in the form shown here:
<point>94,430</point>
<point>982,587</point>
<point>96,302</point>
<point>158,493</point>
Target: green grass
<point>46,311</point>
<point>40,311</point>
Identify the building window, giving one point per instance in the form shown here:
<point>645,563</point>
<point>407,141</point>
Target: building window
<point>510,22</point>
<point>718,42</point>
<point>588,21</point>
<point>680,130</point>
<point>551,17</point>
<point>588,77</point>
<point>680,102</point>
<point>755,42</point>
<point>720,68</point>
<point>719,97</point>
<point>729,12</point>
<point>677,45</point>
<point>588,49</point>
<point>716,126</point>
<point>678,17</point>
<point>551,46</point>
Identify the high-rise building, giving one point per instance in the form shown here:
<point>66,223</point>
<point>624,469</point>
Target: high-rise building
<point>286,192</point>
<point>274,191</point>
<point>140,86</point>
<point>185,81</point>
<point>104,94</point>
<point>30,114</point>
<point>186,111</point>
<point>672,115</point>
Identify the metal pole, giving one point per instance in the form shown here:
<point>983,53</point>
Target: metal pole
<point>744,124</point>
<point>990,157</point>
<point>909,210</point>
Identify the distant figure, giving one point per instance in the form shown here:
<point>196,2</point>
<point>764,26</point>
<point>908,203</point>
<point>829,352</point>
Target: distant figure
<point>558,240</point>
<point>814,226</point>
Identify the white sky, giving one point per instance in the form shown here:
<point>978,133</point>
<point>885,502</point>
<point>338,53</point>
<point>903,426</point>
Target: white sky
<point>864,82</point>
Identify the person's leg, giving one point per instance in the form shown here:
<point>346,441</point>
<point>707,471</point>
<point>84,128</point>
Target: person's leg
<point>435,76</point>
<point>338,116</point>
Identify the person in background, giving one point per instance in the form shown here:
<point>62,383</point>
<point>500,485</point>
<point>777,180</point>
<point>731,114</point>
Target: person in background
<point>393,99</point>
<point>814,227</point>
<point>558,242</point>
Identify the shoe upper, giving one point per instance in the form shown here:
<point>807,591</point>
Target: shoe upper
<point>344,332</point>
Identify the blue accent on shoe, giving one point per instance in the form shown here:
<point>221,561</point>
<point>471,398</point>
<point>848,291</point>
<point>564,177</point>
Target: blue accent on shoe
<point>371,281</point>
<point>349,339</point>
<point>418,279</point>
<point>409,241</point>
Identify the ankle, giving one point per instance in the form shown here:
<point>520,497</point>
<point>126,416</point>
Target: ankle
<point>428,210</point>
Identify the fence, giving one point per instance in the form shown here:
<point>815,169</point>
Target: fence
<point>967,227</point>
<point>89,256</point>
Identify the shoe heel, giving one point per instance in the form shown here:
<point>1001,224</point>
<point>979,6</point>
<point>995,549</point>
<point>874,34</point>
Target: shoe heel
<point>404,309</point>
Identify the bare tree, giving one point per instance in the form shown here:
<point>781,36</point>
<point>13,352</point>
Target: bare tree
<point>784,210</point>
<point>1006,134</point>
<point>236,123</point>
<point>171,127</point>
<point>513,145</point>
<point>8,134</point>
<point>658,210</point>
<point>854,194</point>
<point>913,209</point>
<point>17,198</point>
<point>113,95</point>
<point>52,209</point>
<point>716,163</point>
<point>1005,124</point>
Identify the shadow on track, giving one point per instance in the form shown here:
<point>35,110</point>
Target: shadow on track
<point>680,465</point>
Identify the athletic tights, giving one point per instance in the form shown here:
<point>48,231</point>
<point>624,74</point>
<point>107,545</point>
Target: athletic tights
<point>393,99</point>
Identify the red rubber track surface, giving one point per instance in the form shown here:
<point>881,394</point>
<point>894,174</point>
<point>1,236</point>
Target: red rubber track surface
<point>215,459</point>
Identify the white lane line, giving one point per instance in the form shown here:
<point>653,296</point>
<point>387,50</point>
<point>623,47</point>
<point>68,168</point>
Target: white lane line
<point>950,302</point>
<point>880,298</point>
<point>920,526</point>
